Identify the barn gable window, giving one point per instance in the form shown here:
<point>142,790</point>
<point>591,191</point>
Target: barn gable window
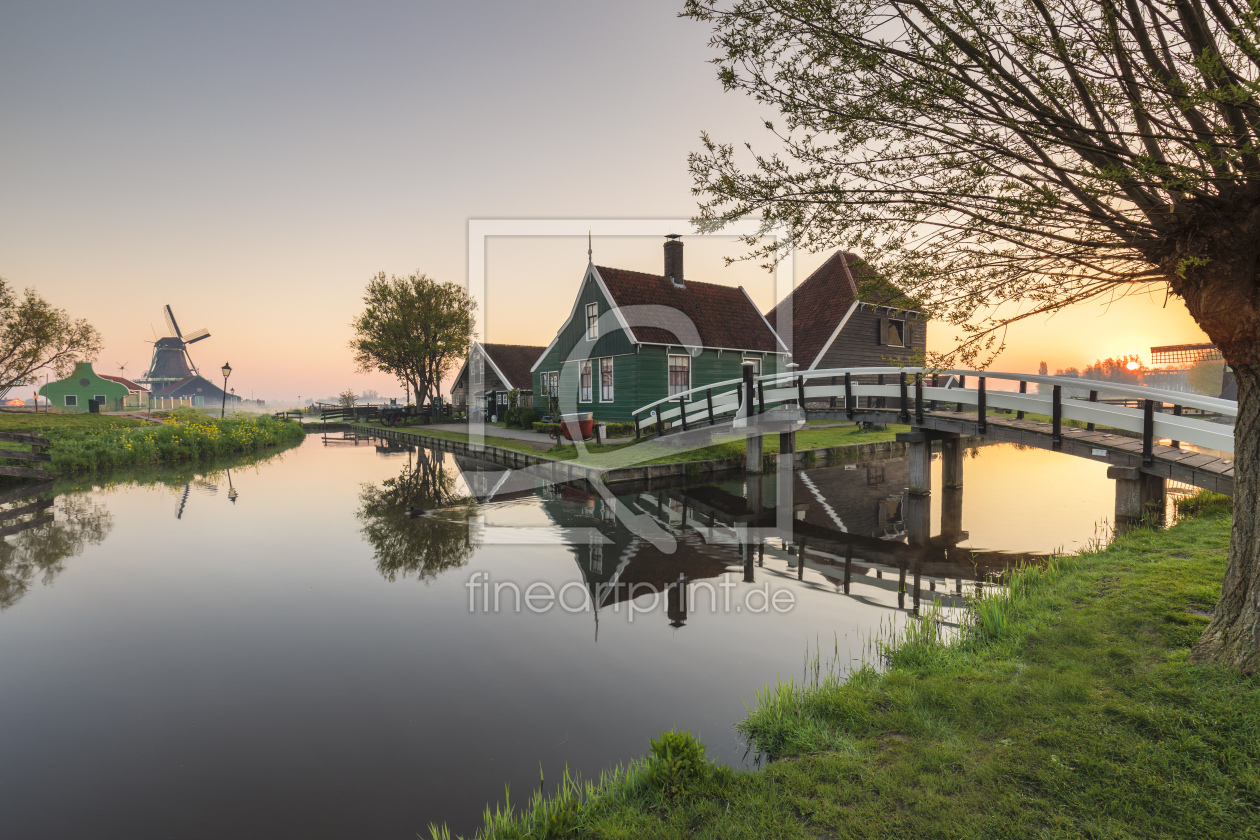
<point>893,332</point>
<point>592,321</point>
<point>72,400</point>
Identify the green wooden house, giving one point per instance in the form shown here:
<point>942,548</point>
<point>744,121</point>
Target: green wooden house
<point>632,338</point>
<point>82,387</point>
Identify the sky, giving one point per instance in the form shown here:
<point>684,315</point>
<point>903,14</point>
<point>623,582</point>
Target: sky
<point>254,164</point>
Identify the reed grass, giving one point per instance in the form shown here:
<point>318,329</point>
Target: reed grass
<point>1061,705</point>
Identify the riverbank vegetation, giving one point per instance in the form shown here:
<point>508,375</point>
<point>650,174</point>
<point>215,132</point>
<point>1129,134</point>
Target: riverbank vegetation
<point>1065,707</point>
<point>84,443</point>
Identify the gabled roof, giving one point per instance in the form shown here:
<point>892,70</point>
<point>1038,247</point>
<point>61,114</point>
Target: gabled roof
<point>822,303</point>
<point>513,362</point>
<point>724,316</point>
<point>126,383</point>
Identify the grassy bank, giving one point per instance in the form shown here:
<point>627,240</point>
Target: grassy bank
<point>86,443</point>
<point>657,451</point>
<point>1064,710</point>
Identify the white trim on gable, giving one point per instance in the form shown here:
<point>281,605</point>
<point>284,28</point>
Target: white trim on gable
<point>603,288</point>
<point>765,321</point>
<point>852,308</point>
<point>616,308</point>
<point>478,345</point>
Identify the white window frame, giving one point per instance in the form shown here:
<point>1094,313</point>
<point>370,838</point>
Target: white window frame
<point>756,360</point>
<point>607,363</point>
<point>669,365</point>
<point>72,400</point>
<point>585,369</point>
<point>592,321</point>
<point>888,335</point>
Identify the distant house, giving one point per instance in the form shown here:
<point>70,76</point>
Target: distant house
<point>845,315</point>
<point>194,390</point>
<point>135,390</point>
<point>633,338</point>
<point>495,368</point>
<point>84,386</point>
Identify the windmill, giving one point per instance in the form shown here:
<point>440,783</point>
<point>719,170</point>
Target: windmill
<point>171,362</point>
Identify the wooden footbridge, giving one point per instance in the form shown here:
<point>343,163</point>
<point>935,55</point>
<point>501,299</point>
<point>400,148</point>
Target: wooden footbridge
<point>1145,435</point>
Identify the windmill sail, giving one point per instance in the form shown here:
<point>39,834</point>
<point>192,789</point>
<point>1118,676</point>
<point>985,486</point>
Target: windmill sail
<point>171,362</point>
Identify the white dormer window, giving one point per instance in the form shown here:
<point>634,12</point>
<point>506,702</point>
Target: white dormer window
<point>592,321</point>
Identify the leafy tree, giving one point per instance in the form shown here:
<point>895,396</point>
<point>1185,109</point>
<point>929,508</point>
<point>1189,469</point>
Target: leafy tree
<point>347,399</point>
<point>1204,377</point>
<point>34,335</point>
<point>1000,159</point>
<point>414,328</point>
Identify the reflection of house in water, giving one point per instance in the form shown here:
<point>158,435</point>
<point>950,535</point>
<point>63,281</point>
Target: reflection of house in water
<point>866,499</point>
<point>624,566</point>
<point>853,527</point>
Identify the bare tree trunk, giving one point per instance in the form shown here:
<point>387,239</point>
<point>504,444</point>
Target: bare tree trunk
<point>1232,639</point>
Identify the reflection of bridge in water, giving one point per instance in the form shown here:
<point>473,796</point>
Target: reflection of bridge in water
<point>855,530</point>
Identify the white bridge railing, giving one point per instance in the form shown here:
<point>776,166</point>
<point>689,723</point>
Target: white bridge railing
<point>919,390</point>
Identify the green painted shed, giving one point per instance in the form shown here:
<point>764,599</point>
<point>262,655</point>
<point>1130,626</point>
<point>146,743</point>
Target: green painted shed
<point>632,338</point>
<point>83,386</point>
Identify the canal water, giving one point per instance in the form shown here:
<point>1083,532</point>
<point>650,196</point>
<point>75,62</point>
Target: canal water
<point>289,649</point>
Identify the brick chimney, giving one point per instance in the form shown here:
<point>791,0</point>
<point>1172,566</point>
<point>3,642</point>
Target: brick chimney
<point>673,260</point>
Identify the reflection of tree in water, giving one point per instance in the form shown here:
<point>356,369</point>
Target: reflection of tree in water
<point>79,521</point>
<point>423,545</point>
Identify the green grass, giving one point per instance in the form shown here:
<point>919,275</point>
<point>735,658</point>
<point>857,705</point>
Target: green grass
<point>87,443</point>
<point>807,438</point>
<point>632,452</point>
<point>1064,710</point>
<point>490,440</point>
<point>44,423</point>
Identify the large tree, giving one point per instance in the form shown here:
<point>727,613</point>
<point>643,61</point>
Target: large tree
<point>414,328</point>
<point>35,336</point>
<point>1003,158</point>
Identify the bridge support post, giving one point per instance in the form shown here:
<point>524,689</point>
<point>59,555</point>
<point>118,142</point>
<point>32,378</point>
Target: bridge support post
<point>918,519</point>
<point>752,447</point>
<point>1139,496</point>
<point>951,515</point>
<point>919,450</point>
<point>952,462</point>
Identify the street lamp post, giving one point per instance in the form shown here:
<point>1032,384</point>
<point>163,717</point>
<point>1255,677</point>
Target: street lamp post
<point>227,371</point>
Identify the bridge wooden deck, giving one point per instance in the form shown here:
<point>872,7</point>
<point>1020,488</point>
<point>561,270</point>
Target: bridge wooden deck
<point>1207,471</point>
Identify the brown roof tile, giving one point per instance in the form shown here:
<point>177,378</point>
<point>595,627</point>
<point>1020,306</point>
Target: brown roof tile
<point>515,361</point>
<point>819,303</point>
<point>723,316</point>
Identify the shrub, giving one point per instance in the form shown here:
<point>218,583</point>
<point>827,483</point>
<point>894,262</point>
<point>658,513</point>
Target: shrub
<point>615,430</point>
<point>521,417</point>
<point>677,763</point>
<point>185,435</point>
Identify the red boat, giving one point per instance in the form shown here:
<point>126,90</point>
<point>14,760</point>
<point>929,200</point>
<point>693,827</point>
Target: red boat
<point>582,424</point>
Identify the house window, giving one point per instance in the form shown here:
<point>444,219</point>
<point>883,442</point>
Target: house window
<point>592,321</point>
<point>551,383</point>
<point>756,364</point>
<point>606,380</point>
<point>199,400</point>
<point>896,335</point>
<point>100,398</point>
<point>584,383</point>
<point>72,400</point>
<point>679,374</point>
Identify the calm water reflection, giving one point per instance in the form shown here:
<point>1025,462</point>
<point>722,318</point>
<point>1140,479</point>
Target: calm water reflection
<point>287,650</point>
